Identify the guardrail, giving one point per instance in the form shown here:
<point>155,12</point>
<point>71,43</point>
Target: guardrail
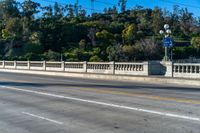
<point>85,67</point>
<point>186,70</point>
<point>168,69</point>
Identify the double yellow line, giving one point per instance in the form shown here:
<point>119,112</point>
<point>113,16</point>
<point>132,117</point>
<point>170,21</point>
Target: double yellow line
<point>142,95</point>
<point>131,94</point>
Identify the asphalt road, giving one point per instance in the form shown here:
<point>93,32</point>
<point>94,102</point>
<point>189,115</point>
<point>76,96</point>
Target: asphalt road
<point>45,104</point>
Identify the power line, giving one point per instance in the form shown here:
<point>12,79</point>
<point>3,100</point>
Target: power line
<point>108,3</point>
<point>62,3</point>
<point>182,4</point>
<point>105,3</point>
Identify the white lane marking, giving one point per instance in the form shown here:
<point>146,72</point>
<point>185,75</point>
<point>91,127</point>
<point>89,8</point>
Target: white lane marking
<point>108,104</point>
<point>43,118</point>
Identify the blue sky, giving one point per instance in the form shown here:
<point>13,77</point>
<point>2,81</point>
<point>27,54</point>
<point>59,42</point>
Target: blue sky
<point>192,5</point>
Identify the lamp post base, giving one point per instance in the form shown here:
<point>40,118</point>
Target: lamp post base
<point>166,58</point>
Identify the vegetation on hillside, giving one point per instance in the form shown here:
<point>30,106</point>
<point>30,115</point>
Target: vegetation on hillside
<point>29,31</point>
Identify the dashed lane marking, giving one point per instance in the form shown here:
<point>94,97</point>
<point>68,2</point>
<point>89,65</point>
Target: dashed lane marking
<point>166,114</point>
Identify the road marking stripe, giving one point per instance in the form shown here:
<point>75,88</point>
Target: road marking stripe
<point>108,104</point>
<point>143,95</point>
<point>43,118</point>
<point>115,92</point>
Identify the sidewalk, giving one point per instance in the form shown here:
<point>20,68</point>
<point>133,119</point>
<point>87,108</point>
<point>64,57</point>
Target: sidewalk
<point>141,79</point>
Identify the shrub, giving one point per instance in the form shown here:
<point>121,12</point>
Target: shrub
<point>95,59</point>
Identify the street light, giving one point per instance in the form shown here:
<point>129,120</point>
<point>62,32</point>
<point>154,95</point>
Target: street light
<point>166,26</point>
<point>167,41</point>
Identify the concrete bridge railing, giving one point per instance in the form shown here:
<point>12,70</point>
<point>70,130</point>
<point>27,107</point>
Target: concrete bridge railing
<point>86,67</point>
<point>186,70</point>
<point>167,69</point>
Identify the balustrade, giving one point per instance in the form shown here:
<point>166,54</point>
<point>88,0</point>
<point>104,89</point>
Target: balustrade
<point>90,67</point>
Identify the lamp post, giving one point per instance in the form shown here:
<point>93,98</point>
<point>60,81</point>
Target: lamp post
<point>167,41</point>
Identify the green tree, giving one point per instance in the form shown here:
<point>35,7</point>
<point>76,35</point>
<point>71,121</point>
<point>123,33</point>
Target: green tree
<point>186,22</point>
<point>95,59</point>
<point>82,44</point>
<point>122,3</point>
<point>52,55</point>
<point>196,43</point>
<point>115,53</point>
<point>105,37</point>
<point>10,9</point>
<point>129,34</point>
<point>157,20</point>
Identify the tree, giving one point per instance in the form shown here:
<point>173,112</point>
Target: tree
<point>152,51</point>
<point>52,55</point>
<point>186,22</point>
<point>105,37</point>
<point>11,33</point>
<point>27,29</point>
<point>9,9</point>
<point>91,35</point>
<point>196,43</point>
<point>70,9</point>
<point>82,44</point>
<point>157,20</point>
<point>30,8</point>
<point>115,53</point>
<point>47,12</point>
<point>58,10</point>
<point>95,59</point>
<point>122,3</point>
<point>129,34</point>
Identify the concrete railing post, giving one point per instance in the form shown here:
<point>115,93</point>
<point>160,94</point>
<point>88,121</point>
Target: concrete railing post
<point>15,64</point>
<point>112,67</point>
<point>146,68</point>
<point>3,64</point>
<point>44,65</point>
<point>85,66</point>
<point>28,65</point>
<point>169,68</point>
<point>63,66</point>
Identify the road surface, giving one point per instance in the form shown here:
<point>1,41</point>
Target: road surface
<point>47,104</point>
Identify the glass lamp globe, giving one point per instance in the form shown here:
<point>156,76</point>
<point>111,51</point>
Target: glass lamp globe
<point>161,32</point>
<point>168,31</point>
<point>166,26</point>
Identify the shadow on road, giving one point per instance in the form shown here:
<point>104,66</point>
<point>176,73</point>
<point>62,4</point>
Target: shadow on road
<point>99,86</point>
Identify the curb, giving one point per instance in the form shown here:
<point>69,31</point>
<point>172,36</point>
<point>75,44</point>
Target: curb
<point>142,79</point>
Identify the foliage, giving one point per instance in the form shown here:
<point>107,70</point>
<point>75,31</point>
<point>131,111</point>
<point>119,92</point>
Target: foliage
<point>129,34</point>
<point>52,56</point>
<point>29,31</point>
<point>196,42</point>
<point>95,59</point>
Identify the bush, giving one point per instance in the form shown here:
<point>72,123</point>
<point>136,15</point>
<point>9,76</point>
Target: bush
<point>52,56</point>
<point>95,59</point>
<point>33,48</point>
<point>32,57</point>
